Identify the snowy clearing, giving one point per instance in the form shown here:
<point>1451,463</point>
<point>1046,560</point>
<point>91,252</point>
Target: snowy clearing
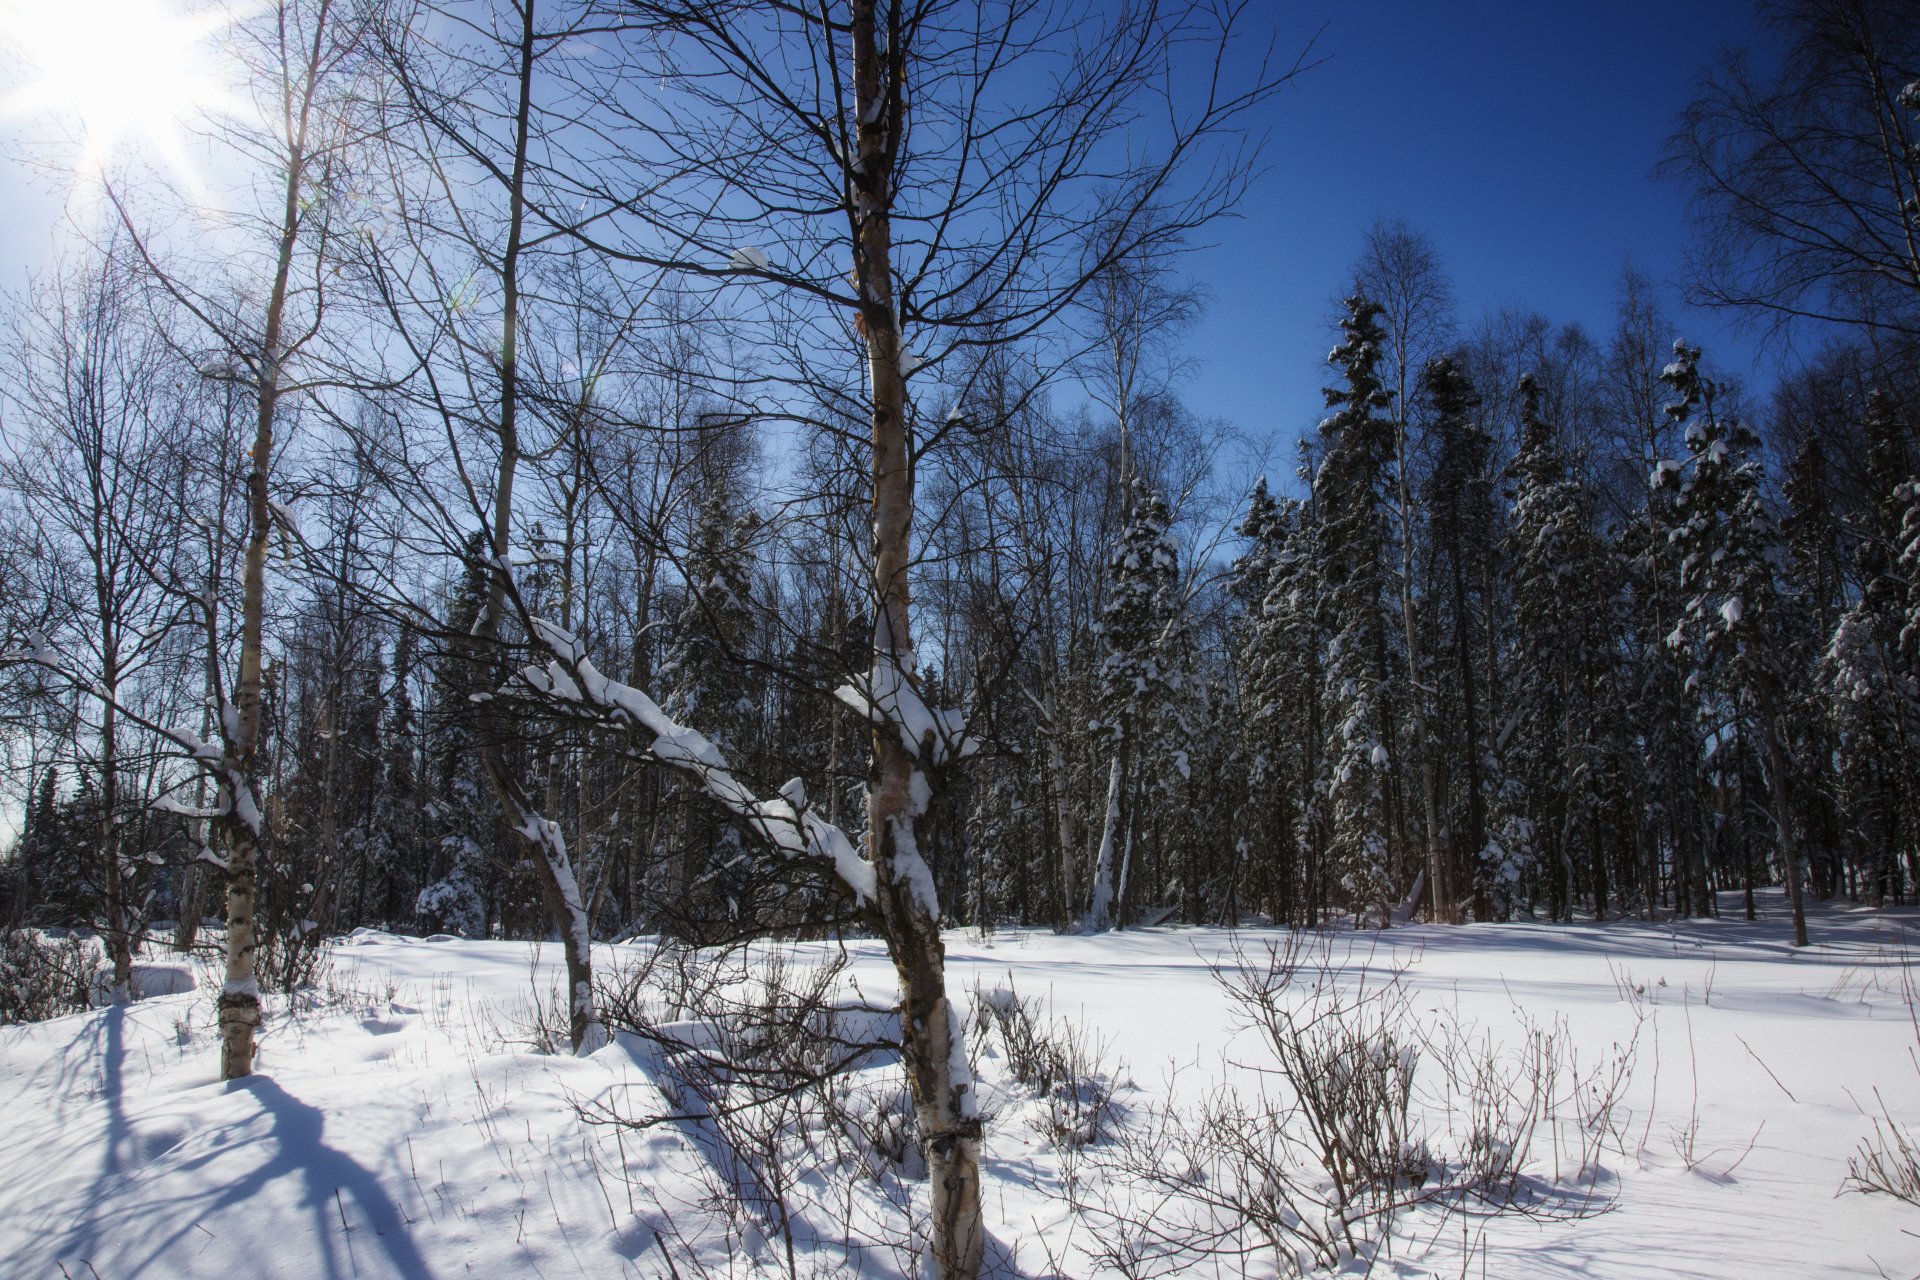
<point>395,1129</point>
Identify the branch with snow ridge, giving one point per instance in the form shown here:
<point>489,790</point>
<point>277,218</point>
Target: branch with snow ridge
<point>785,822</point>
<point>934,736</point>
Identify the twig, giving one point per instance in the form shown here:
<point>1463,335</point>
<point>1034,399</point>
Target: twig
<point>1764,1067</point>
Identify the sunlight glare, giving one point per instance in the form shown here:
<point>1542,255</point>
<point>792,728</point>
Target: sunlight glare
<point>119,73</point>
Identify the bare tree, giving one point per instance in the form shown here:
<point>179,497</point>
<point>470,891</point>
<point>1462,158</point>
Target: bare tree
<point>261,333</point>
<point>1400,271</point>
<point>96,431</point>
<point>788,148</point>
<point>1806,184</point>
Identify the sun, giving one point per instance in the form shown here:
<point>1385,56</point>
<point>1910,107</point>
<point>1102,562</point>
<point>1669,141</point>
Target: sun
<point>117,75</point>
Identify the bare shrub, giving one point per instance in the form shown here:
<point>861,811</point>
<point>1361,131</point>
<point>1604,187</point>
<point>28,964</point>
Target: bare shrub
<point>1060,1060</point>
<point>1887,1161</point>
<point>293,959</point>
<point>1356,1112</point>
<point>785,1088</point>
<point>45,977</point>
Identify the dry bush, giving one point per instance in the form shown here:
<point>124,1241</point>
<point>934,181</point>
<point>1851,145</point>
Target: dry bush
<point>45,977</point>
<point>786,1090</point>
<point>1063,1063</point>
<point>1888,1160</point>
<point>1356,1112</point>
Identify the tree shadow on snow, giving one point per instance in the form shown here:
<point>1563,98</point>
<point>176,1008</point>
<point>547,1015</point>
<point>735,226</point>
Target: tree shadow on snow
<point>336,1189</point>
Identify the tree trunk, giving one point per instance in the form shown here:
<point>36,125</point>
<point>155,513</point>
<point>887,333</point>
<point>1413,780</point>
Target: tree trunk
<point>239,810</point>
<point>540,838</point>
<point>117,931</point>
<point>932,1038</point>
<point>1779,766</point>
<point>1100,907</point>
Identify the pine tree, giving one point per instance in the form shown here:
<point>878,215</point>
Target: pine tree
<point>1280,658</point>
<point>1350,489</point>
<point>1267,824</point>
<point>1460,528</point>
<point>455,887</point>
<point>1562,605</point>
<point>1813,588</point>
<point>396,854</point>
<point>707,675</point>
<point>1868,669</point>
<point>1137,680</point>
<point>1731,609</point>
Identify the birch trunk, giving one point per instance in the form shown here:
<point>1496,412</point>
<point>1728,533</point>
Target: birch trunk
<point>932,1038</point>
<point>540,838</point>
<point>238,823</point>
<point>1100,909</point>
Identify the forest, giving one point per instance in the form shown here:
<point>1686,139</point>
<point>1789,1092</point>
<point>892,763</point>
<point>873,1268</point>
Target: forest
<point>578,471</point>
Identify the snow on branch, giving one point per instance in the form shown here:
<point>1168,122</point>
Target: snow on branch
<point>237,796</point>
<point>932,735</point>
<point>784,822</point>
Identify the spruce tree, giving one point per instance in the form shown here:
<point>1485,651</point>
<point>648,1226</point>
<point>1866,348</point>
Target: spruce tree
<point>1137,680</point>
<point>1560,664</point>
<point>1868,669</point>
<point>1350,490</point>
<point>1460,531</point>
<point>709,681</point>
<point>456,889</point>
<point>1813,588</point>
<point>1267,820</point>
<point>1731,610</point>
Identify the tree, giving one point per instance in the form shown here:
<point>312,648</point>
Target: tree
<point>1806,184</point>
<point>1658,707</point>
<point>710,682</point>
<point>100,446</point>
<point>984,230</point>
<point>1138,679</point>
<point>1868,669</point>
<point>1461,540</point>
<point>1400,272</point>
<point>1351,489</point>
<point>1732,605</point>
<point>1562,596</point>
<point>1279,665</point>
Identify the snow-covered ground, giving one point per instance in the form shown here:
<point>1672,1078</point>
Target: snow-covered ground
<point>395,1129</point>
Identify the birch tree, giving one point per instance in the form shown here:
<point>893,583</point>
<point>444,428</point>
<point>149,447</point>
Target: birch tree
<point>874,182</point>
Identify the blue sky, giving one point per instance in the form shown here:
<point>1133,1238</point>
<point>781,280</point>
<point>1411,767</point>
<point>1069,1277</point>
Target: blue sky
<point>1519,137</point>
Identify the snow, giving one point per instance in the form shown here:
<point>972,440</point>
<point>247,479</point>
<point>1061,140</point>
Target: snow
<point>394,1129</point>
<point>889,695</point>
<point>748,258</point>
<point>786,825</point>
<point>911,870</point>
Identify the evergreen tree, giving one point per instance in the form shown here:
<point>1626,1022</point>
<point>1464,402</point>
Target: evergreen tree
<point>1279,662</point>
<point>1350,490</point>
<point>1137,681</point>
<point>1460,534</point>
<point>710,682</point>
<point>458,882</point>
<point>1562,604</point>
<point>1267,822</point>
<point>1731,609</point>
<point>1811,534</point>
<point>1868,669</point>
